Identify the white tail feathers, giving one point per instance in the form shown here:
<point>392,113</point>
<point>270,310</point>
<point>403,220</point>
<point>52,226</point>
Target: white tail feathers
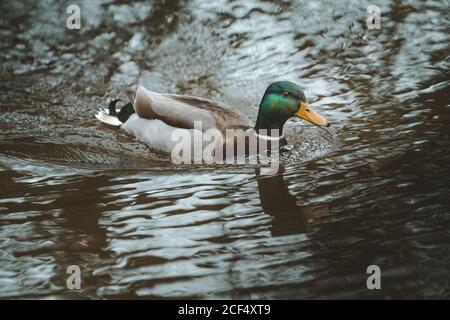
<point>103,116</point>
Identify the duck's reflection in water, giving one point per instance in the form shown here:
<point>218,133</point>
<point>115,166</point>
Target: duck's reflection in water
<point>276,201</point>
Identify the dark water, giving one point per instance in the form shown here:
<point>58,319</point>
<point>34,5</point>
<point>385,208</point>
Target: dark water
<point>74,192</point>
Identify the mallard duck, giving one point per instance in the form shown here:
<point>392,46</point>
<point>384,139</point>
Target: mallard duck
<point>153,117</point>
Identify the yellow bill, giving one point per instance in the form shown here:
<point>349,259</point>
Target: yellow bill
<point>307,113</point>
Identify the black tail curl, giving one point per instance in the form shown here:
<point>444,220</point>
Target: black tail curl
<point>125,111</point>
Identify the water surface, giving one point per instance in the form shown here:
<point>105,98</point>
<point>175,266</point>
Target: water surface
<point>75,192</point>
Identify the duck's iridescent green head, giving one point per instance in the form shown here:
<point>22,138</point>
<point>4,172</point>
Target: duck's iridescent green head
<point>281,101</point>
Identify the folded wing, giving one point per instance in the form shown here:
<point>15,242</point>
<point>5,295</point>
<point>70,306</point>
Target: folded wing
<point>182,111</point>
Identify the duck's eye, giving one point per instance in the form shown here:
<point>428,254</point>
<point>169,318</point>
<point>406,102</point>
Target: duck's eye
<point>285,94</point>
<point>307,110</point>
